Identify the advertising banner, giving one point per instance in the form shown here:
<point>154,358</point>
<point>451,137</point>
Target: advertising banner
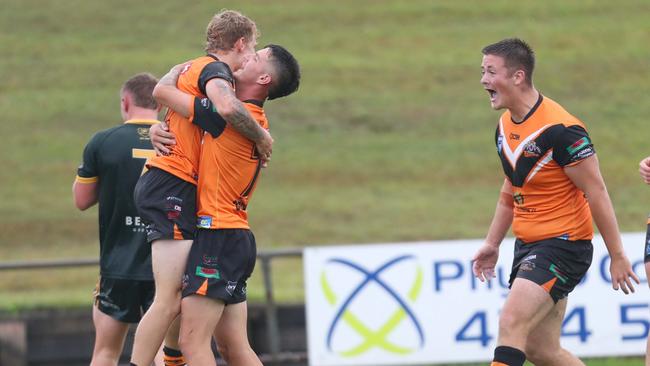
<point>419,303</point>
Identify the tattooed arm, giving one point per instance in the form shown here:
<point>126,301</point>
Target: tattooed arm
<point>233,111</point>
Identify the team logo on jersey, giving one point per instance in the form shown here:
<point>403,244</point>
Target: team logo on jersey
<point>143,132</point>
<point>514,136</point>
<point>526,266</point>
<point>519,198</point>
<point>531,150</point>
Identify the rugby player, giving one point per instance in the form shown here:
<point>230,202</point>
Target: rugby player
<point>552,191</point>
<point>166,195</point>
<point>223,254</point>
<point>113,161</point>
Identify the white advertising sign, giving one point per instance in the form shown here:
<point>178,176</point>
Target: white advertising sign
<point>418,303</point>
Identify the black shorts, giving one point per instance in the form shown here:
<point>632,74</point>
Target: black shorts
<point>167,205</point>
<point>646,256</point>
<point>219,264</point>
<point>124,300</point>
<point>555,264</point>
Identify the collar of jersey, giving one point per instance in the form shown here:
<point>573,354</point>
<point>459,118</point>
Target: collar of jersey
<point>143,121</point>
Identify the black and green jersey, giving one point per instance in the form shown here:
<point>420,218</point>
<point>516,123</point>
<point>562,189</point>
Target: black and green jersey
<point>115,158</point>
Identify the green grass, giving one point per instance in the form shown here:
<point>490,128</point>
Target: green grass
<point>390,137</point>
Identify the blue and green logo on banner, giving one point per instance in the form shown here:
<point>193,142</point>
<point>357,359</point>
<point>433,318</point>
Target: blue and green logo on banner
<point>374,338</point>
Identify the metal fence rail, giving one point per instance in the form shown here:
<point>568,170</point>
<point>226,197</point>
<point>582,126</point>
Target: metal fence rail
<point>265,257</point>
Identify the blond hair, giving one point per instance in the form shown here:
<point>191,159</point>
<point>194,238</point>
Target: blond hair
<point>226,27</point>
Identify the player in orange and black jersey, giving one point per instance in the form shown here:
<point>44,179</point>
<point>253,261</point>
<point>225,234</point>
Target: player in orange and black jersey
<point>113,161</point>
<point>166,194</point>
<point>224,251</point>
<point>552,189</point>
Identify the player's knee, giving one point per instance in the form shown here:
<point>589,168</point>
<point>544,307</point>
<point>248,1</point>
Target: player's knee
<point>232,350</point>
<point>167,307</point>
<point>187,344</point>
<point>511,325</point>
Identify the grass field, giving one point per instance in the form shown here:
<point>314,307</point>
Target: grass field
<point>389,139</point>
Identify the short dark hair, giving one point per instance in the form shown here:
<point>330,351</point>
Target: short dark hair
<point>286,70</point>
<point>516,53</point>
<point>140,86</point>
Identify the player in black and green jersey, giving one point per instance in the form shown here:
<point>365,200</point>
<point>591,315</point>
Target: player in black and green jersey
<point>113,161</point>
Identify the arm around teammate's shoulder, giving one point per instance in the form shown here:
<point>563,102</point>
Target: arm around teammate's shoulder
<point>233,111</point>
<point>166,93</point>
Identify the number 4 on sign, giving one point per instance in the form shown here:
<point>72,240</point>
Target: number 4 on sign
<point>476,328</point>
<point>581,319</point>
<point>481,334</point>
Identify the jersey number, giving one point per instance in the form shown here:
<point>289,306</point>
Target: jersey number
<point>143,154</point>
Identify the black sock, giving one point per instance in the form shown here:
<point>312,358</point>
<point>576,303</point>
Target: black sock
<point>173,357</point>
<point>172,352</point>
<point>505,355</point>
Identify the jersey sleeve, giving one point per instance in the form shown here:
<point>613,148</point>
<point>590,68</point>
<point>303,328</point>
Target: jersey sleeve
<point>215,70</point>
<point>571,145</point>
<point>205,115</point>
<point>88,170</point>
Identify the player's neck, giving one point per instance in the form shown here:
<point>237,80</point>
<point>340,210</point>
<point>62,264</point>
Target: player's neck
<point>523,104</point>
<point>253,91</point>
<point>227,57</point>
<point>141,113</point>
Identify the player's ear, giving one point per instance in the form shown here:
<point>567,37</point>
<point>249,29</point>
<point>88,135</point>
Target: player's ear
<point>264,79</point>
<point>519,76</point>
<point>126,102</point>
<point>240,44</point>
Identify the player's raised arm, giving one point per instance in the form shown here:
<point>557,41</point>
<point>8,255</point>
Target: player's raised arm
<point>586,176</point>
<point>485,259</point>
<point>233,111</point>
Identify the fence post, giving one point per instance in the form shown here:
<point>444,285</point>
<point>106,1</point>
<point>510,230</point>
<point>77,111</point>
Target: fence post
<point>272,329</point>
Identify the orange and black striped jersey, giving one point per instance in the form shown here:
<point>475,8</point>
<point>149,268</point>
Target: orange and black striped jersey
<point>229,168</point>
<point>533,153</point>
<point>183,161</point>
